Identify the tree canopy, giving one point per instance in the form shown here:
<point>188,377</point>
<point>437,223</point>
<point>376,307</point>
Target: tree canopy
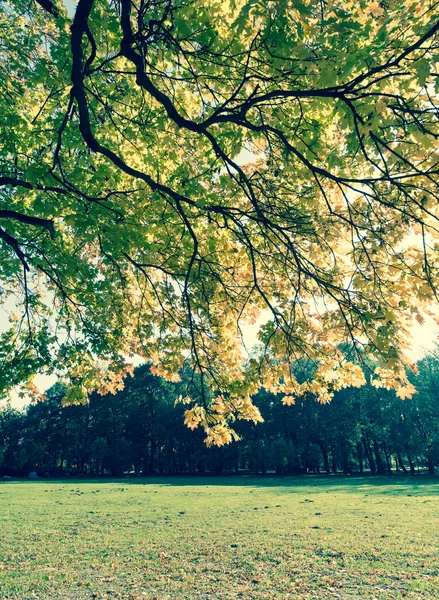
<point>173,169</point>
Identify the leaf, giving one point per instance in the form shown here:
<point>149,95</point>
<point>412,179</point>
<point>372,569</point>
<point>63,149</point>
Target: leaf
<point>422,67</point>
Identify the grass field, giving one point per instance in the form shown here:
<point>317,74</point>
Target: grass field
<point>222,538</point>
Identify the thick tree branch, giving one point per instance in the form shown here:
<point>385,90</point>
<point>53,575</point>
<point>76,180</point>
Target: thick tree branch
<point>14,182</point>
<point>49,6</point>
<point>15,245</point>
<point>29,220</point>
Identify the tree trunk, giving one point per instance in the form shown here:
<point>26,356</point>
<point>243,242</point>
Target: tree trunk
<point>411,464</point>
<point>369,456</point>
<point>400,461</point>
<point>388,459</point>
<point>334,463</point>
<point>360,457</point>
<point>326,466</point>
<point>379,461</point>
<point>345,459</point>
<point>151,462</point>
<point>430,465</point>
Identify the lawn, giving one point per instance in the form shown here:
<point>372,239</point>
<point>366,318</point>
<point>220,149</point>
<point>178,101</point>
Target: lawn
<point>220,538</point>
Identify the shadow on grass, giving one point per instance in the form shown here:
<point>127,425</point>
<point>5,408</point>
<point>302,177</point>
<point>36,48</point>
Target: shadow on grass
<point>394,485</point>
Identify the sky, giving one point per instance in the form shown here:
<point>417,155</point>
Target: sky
<point>70,5</point>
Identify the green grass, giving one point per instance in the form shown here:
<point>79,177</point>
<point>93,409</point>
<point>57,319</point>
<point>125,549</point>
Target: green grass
<point>220,539</point>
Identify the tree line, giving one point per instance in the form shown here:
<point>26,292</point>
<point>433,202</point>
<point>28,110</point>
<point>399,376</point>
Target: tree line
<point>141,430</point>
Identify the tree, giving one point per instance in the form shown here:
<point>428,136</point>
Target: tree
<point>139,428</point>
<point>12,454</point>
<point>172,170</point>
<point>424,411</point>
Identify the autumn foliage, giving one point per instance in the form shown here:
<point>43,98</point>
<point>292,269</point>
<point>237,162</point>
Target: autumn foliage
<point>172,172</point>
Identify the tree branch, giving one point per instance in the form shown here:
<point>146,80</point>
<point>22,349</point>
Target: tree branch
<point>15,245</point>
<point>29,220</point>
<point>49,6</point>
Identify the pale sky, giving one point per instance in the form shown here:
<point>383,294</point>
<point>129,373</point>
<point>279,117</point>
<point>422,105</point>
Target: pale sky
<point>70,6</point>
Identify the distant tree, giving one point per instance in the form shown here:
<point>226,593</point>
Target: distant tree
<point>139,429</point>
<point>423,410</point>
<point>12,453</point>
